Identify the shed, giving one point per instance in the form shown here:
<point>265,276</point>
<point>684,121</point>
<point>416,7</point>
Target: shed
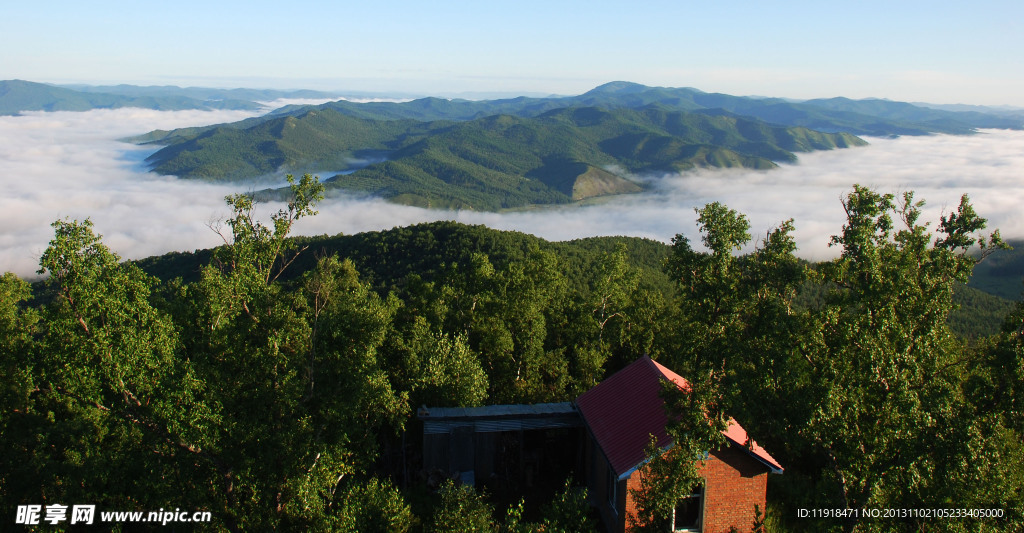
<point>467,441</point>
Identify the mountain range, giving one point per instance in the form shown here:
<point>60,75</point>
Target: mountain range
<point>872,117</point>
<point>507,153</point>
<point>493,162</point>
<point>501,153</point>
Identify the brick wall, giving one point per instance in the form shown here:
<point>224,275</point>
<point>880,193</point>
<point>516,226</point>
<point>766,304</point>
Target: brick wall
<point>632,483</point>
<point>734,484</point>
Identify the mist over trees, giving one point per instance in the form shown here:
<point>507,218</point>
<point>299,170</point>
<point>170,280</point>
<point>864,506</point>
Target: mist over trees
<point>273,381</point>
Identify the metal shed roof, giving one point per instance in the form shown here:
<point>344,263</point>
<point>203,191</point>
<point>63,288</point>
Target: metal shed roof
<point>495,418</point>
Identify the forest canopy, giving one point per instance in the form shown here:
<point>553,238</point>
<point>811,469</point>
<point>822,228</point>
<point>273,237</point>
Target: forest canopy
<point>273,380</point>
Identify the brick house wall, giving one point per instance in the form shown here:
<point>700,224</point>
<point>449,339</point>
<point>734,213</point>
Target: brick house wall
<point>734,483</point>
<point>632,483</point>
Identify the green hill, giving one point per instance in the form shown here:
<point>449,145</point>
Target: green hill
<point>17,96</point>
<point>318,140</point>
<point>456,154</point>
<point>389,258</point>
<point>495,162</point>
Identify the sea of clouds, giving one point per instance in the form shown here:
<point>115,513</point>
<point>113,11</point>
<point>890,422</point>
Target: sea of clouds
<point>69,165</point>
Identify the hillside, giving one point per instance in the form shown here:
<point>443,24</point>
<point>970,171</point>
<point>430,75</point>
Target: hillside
<point>514,152</point>
<point>490,163</point>
<point>1002,273</point>
<point>319,140</point>
<point>17,96</point>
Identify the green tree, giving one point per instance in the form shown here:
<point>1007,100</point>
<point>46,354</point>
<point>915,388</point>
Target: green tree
<point>451,375</point>
<point>569,511</point>
<point>888,366</point>
<point>105,410</point>
<point>19,416</point>
<point>461,510</point>
<point>865,393</point>
<point>617,317</point>
<point>504,314</point>
<point>296,368</point>
<point>737,322</point>
<point>374,506</point>
<point>236,394</point>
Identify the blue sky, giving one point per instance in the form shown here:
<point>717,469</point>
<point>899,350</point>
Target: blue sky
<point>904,50</point>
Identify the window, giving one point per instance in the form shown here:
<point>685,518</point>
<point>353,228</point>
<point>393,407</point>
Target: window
<point>689,512</point>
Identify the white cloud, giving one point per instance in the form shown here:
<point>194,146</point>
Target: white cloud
<point>70,165</point>
<point>57,165</point>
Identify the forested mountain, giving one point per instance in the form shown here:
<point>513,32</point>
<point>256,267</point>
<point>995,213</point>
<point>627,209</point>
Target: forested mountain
<point>859,117</point>
<point>494,154</point>
<point>493,162</point>
<point>936,119</point>
<point>17,96</point>
<point>277,390</point>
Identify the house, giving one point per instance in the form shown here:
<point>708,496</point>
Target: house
<point>621,413</point>
<point>520,449</point>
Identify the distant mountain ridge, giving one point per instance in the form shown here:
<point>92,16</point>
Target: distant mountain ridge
<point>858,117</point>
<point>873,117</point>
<point>204,93</point>
<point>17,96</point>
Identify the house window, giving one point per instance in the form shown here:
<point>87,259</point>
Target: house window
<point>689,512</point>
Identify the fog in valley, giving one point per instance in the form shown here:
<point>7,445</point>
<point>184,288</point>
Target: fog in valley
<point>71,165</point>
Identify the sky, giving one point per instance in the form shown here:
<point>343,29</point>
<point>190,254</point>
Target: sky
<point>938,52</point>
<point>70,165</point>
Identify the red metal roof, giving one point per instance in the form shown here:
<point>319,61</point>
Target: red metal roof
<point>624,410</point>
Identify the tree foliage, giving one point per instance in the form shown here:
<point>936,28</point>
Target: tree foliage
<point>461,510</point>
<point>864,393</point>
<point>272,383</point>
